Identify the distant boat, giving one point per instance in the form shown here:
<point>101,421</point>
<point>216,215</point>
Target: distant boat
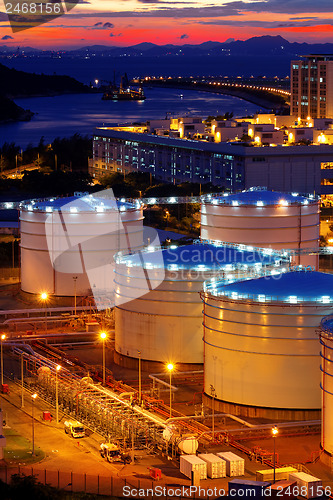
<point>120,94</point>
<point>123,92</point>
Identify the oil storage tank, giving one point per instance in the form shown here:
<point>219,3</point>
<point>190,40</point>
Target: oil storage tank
<point>261,347</point>
<point>158,314</point>
<point>326,369</point>
<point>264,218</point>
<point>68,244</point>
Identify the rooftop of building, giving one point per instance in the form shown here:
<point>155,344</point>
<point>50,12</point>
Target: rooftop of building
<point>292,287</point>
<point>327,57</point>
<point>327,324</point>
<point>262,197</point>
<point>80,202</point>
<point>202,256</point>
<point>224,148</point>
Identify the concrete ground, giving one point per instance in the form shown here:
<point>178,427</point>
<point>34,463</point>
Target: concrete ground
<point>60,452</point>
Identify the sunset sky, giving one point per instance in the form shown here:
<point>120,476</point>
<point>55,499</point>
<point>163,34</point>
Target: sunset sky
<point>128,22</point>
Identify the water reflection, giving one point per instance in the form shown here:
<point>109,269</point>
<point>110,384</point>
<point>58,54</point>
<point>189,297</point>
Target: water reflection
<point>62,116</point>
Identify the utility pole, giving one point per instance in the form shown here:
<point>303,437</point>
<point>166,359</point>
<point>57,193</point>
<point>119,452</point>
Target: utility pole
<point>213,394</point>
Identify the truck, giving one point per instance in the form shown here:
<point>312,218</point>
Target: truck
<point>75,429</point>
<point>112,453</point>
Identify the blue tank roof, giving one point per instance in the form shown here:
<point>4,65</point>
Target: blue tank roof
<point>86,203</point>
<point>202,255</point>
<point>264,197</point>
<point>327,324</point>
<point>303,285</point>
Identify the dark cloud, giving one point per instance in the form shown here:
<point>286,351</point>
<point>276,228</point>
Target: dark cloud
<point>98,24</point>
<point>175,12</point>
<point>302,18</point>
<point>113,34</point>
<point>182,37</point>
<point>236,8</point>
<point>286,6</point>
<point>7,37</point>
<point>266,24</point>
<point>108,25</point>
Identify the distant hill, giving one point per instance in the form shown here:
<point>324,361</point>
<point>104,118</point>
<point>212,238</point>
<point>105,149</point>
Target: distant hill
<point>262,45</point>
<point>9,111</point>
<point>15,83</point>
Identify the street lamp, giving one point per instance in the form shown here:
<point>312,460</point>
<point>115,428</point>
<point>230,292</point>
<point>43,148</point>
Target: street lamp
<point>170,367</point>
<point>33,397</point>
<point>213,394</point>
<point>44,296</point>
<point>58,367</point>
<point>75,278</point>
<point>275,432</point>
<point>3,337</point>
<point>103,337</point>
<point>140,391</point>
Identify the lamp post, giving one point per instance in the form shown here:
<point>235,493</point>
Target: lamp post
<point>170,367</point>
<point>75,278</point>
<point>33,397</point>
<point>103,337</point>
<point>275,432</point>
<point>3,337</point>
<point>44,296</point>
<point>213,394</point>
<point>58,367</point>
<point>140,391</point>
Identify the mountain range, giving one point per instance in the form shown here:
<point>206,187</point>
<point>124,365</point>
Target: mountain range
<point>263,45</point>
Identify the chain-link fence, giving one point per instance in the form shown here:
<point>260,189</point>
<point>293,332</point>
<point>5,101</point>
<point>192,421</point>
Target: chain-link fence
<point>113,486</point>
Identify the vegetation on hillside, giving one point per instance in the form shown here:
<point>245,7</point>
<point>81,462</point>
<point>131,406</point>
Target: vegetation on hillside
<point>14,83</point>
<point>9,111</point>
<point>63,154</point>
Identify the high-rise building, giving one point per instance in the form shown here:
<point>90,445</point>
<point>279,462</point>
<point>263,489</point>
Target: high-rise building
<point>312,87</point>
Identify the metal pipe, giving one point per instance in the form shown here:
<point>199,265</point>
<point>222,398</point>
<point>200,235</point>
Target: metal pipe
<point>22,383</point>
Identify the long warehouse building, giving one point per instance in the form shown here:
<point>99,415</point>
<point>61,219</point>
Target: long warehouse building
<point>233,167</point>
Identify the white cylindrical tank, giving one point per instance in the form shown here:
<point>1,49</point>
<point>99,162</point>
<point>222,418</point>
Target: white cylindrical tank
<point>68,244</point>
<point>262,218</point>
<point>326,368</point>
<point>163,321</point>
<point>261,347</point>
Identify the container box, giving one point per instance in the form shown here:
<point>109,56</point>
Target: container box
<point>283,490</point>
<point>189,463</point>
<point>47,416</point>
<point>235,465</point>
<point>246,488</point>
<point>216,466</point>
<point>281,473</point>
<point>308,486</point>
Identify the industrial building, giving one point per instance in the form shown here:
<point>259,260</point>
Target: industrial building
<point>312,87</point>
<point>261,218</point>
<point>261,353</point>
<point>232,166</point>
<point>163,321</point>
<point>68,244</point>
